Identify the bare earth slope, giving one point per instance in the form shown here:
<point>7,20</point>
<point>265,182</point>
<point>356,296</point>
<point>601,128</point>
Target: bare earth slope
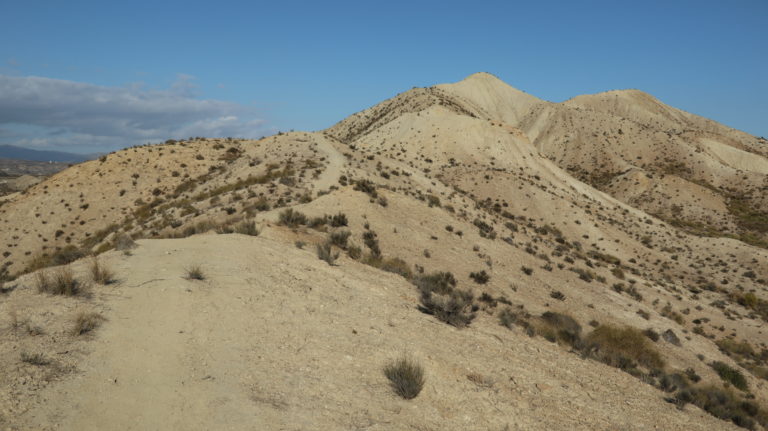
<point>276,339</point>
<point>559,224</point>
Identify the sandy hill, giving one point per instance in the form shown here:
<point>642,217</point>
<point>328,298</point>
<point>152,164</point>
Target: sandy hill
<point>536,259</point>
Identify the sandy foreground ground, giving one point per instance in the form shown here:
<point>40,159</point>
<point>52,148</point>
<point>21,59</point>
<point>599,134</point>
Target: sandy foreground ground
<point>276,339</point>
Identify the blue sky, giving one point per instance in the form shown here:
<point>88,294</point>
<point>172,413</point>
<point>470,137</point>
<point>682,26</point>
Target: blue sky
<point>93,76</point>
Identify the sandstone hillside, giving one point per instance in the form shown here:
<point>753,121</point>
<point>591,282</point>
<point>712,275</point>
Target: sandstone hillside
<point>593,264</point>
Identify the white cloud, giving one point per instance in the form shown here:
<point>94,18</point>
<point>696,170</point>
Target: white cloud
<point>51,112</point>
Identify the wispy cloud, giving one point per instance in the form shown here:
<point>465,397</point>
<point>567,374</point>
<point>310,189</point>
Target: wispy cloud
<point>37,111</point>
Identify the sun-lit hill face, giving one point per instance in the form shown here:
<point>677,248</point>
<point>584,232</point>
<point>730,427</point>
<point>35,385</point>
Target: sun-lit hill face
<point>586,208</point>
<point>148,189</point>
<point>719,172</point>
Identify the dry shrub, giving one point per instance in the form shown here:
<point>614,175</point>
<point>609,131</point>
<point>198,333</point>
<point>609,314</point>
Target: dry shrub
<point>406,376</point>
<point>247,228</point>
<point>559,327</point>
<point>194,272</point>
<point>124,243</point>
<point>61,281</point>
<point>100,273</point>
<point>724,404</point>
<point>455,308</point>
<point>86,322</point>
<point>480,380</point>
<point>292,218</point>
<point>397,266</point>
<point>354,252</point>
<point>34,359</point>
<point>340,238</point>
<point>622,347</point>
<point>65,255</point>
<point>509,317</point>
<point>437,282</point>
<point>325,253</point>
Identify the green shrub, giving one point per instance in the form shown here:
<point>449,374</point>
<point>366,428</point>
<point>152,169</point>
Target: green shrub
<point>730,375</point>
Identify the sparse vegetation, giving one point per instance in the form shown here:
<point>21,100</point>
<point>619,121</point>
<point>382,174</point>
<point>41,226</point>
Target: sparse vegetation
<point>730,375</point>
<point>723,404</point>
<point>37,359</point>
<point>623,347</point>
<point>325,253</point>
<point>480,277</point>
<point>340,238</point>
<point>406,376</point>
<point>354,252</point>
<point>247,227</point>
<point>454,308</point>
<point>194,272</point>
<point>99,273</point>
<point>60,281</point>
<point>561,327</point>
<point>86,322</point>
<point>292,218</point>
<point>338,220</point>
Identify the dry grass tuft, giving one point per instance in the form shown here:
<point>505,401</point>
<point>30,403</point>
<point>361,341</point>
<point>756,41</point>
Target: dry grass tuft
<point>58,282</point>
<point>623,347</point>
<point>194,272</point>
<point>100,273</point>
<point>406,376</point>
<point>86,322</point>
<point>247,228</point>
<point>34,359</point>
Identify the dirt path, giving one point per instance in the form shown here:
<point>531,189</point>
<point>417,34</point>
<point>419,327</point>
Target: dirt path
<point>336,160</point>
<point>166,359</point>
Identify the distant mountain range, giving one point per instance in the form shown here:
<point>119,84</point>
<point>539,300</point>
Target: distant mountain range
<point>20,153</point>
